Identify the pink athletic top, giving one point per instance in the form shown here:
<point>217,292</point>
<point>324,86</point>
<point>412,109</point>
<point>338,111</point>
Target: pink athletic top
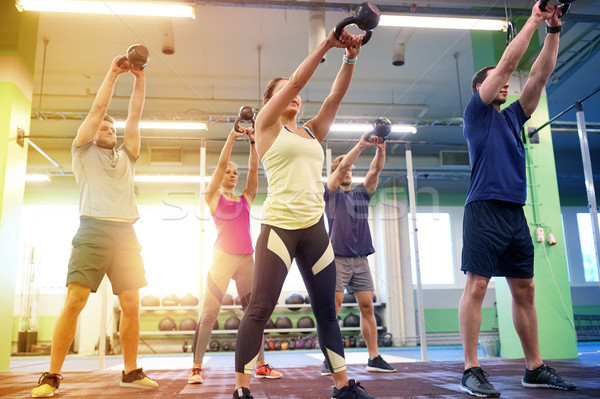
<point>232,219</point>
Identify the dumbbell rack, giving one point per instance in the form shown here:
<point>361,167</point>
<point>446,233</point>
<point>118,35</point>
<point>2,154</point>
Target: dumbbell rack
<point>238,307</point>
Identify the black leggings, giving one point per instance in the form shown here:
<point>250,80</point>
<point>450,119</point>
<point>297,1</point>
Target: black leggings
<point>275,250</point>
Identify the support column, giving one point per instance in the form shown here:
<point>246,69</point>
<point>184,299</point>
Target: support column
<point>17,59</point>
<point>557,336</point>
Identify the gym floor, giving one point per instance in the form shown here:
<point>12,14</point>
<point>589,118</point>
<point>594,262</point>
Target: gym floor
<point>437,378</point>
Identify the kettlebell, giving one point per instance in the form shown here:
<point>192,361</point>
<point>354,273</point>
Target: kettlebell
<point>366,17</point>
<point>137,55</point>
<point>565,5</point>
<point>381,128</point>
<point>246,114</point>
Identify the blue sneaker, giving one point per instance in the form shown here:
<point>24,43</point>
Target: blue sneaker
<point>545,377</point>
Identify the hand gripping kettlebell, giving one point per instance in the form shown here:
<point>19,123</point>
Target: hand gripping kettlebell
<point>137,55</point>
<point>381,128</point>
<point>366,17</point>
<point>246,114</point>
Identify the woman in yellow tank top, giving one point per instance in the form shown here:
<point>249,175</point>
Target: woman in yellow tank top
<point>293,226</point>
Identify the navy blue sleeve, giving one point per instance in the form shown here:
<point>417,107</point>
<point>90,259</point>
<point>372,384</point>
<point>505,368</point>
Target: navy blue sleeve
<point>515,115</point>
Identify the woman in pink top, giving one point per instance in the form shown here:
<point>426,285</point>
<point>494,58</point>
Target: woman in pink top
<point>233,253</point>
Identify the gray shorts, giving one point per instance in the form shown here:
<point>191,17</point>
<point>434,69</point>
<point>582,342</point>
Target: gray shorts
<point>353,272</point>
<point>105,247</point>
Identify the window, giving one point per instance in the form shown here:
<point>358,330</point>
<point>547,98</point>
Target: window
<point>588,253</point>
<point>435,248</point>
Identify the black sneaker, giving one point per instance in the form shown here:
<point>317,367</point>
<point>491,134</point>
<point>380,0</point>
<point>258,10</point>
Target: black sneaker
<point>379,365</point>
<point>474,382</point>
<point>47,385</point>
<point>325,370</point>
<point>351,391</point>
<point>545,377</point>
<point>242,393</point>
<point>137,379</point>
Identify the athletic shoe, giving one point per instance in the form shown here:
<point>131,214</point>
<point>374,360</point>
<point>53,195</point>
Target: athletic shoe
<point>325,370</point>
<point>351,391</point>
<point>265,371</point>
<point>47,385</point>
<point>242,393</point>
<point>545,377</point>
<point>137,379</point>
<point>378,365</point>
<point>195,376</point>
<point>474,382</point>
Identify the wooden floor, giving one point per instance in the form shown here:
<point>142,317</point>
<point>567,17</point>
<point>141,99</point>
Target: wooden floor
<point>413,380</point>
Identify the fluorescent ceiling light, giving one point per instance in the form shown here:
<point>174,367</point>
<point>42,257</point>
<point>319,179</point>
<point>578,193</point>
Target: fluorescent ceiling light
<point>166,125</point>
<point>37,177</point>
<point>415,21</point>
<point>109,7</point>
<point>365,127</point>
<point>171,179</point>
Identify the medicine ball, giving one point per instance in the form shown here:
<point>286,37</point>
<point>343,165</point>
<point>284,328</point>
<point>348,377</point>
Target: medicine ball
<point>269,325</point>
<point>351,320</point>
<point>378,319</point>
<point>170,300</point>
<point>294,299</point>
<point>227,300</point>
<point>386,339</point>
<point>214,345</point>
<point>305,322</point>
<point>187,324</point>
<point>349,298</point>
<point>167,324</point>
<point>299,343</point>
<point>232,323</point>
<point>283,322</point>
<point>188,300</point>
<point>307,299</point>
<point>150,300</point>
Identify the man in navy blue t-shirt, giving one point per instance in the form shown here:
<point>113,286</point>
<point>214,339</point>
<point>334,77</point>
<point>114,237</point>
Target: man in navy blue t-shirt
<point>496,237</point>
<point>347,211</point>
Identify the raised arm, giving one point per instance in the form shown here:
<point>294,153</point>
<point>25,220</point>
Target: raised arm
<point>372,177</point>
<point>134,113</point>
<point>337,176</point>
<point>215,182</point>
<point>498,76</point>
<point>268,122</point>
<point>321,123</point>
<point>252,179</point>
<point>542,68</point>
<point>93,120</point>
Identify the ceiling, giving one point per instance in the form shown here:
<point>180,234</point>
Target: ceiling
<point>224,58</point>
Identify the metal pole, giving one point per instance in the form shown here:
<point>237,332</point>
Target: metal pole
<point>102,343</point>
<point>399,265</point>
<point>413,211</point>
<point>589,179</point>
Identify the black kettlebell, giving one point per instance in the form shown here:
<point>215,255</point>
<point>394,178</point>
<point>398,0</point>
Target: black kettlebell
<point>381,128</point>
<point>137,55</point>
<point>246,114</point>
<point>565,4</point>
<point>366,17</point>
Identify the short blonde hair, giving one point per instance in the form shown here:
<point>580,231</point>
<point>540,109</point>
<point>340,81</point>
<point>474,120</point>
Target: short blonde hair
<point>336,162</point>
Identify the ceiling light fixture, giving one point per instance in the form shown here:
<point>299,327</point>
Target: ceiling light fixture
<point>415,21</point>
<point>173,125</point>
<point>364,127</point>
<point>160,9</point>
<point>37,177</point>
<point>170,179</point>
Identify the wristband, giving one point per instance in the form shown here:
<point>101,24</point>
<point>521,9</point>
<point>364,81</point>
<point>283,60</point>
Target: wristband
<point>252,142</point>
<point>350,61</point>
<point>553,29</point>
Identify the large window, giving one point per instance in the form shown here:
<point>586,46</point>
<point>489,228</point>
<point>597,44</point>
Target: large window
<point>588,252</point>
<point>435,248</point>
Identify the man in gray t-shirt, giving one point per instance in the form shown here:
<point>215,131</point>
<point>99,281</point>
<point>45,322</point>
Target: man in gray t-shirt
<point>105,242</point>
